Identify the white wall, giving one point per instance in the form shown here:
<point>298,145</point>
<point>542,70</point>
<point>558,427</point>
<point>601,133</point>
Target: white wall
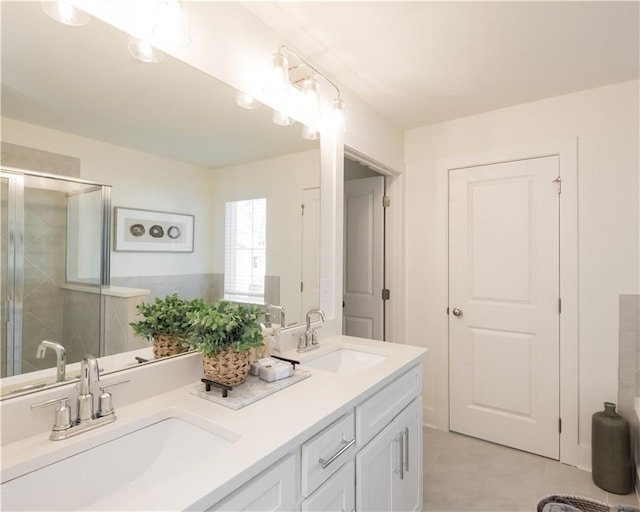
<point>139,180</point>
<point>605,121</point>
<point>281,180</point>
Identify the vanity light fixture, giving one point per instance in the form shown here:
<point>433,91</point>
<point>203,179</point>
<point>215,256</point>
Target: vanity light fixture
<point>171,27</point>
<point>309,86</point>
<point>66,13</point>
<point>144,51</point>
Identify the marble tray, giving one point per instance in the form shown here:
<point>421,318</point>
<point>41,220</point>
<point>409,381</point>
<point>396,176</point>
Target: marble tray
<point>251,390</point>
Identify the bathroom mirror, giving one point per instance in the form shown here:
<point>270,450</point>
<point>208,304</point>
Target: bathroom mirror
<point>170,139</point>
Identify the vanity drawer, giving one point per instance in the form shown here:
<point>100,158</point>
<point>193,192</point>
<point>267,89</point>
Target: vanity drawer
<point>376,412</point>
<point>324,453</point>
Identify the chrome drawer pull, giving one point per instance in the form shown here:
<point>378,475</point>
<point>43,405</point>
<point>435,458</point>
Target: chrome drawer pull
<point>347,444</point>
<point>406,449</point>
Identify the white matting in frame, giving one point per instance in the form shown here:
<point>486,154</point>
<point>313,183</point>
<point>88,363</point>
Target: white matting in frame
<point>152,231</point>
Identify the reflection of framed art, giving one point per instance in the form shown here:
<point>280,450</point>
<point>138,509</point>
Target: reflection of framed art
<point>150,231</point>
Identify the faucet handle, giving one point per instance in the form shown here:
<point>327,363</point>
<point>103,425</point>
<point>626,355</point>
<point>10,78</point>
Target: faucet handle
<point>105,405</point>
<point>63,412</point>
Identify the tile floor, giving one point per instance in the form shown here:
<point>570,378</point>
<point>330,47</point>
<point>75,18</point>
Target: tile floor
<point>465,474</point>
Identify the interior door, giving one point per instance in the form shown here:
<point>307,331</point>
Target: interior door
<point>310,284</point>
<point>504,303</point>
<point>363,258</point>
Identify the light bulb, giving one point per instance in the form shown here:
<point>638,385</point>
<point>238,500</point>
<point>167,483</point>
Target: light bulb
<point>278,84</point>
<point>309,133</point>
<point>172,28</point>
<point>337,113</point>
<point>311,91</point>
<point>65,13</point>
<point>144,51</point>
<point>247,101</point>
<point>281,119</point>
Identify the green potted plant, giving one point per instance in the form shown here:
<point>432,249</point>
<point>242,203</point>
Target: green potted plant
<point>224,333</point>
<point>166,322</point>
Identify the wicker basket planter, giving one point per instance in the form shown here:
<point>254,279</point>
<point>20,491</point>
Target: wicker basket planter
<point>227,367</point>
<point>165,345</point>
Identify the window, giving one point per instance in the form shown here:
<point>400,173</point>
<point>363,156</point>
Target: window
<point>245,250</point>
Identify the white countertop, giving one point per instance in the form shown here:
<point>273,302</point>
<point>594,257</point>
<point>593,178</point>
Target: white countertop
<point>265,430</point>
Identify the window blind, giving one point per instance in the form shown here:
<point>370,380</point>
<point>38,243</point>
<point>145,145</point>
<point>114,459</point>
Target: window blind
<point>245,250</point>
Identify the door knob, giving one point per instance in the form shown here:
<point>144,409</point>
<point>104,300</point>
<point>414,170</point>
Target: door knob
<point>457,312</point>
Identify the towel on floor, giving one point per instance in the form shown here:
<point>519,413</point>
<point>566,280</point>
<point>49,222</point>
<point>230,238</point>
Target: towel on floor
<point>555,499</point>
<point>624,508</point>
<point>559,507</point>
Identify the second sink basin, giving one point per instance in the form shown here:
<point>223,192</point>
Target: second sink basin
<point>346,361</point>
<point>112,475</point>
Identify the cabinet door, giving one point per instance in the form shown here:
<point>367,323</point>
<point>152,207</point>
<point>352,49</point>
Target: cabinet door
<point>407,487</point>
<point>335,495</point>
<point>375,466</point>
<point>273,489</point>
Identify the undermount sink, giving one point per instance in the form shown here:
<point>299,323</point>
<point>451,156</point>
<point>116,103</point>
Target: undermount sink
<point>113,474</point>
<point>345,361</point>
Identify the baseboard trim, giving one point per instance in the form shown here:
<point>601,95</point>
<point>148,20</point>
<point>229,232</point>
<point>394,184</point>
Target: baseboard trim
<point>584,457</point>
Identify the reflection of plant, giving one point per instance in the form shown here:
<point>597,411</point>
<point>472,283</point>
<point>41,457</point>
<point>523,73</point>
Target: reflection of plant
<point>225,325</point>
<point>166,316</point>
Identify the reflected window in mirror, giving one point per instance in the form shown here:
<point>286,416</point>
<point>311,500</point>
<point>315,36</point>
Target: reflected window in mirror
<point>245,250</point>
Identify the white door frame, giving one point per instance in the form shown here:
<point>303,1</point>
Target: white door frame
<point>567,151</point>
<point>394,243</point>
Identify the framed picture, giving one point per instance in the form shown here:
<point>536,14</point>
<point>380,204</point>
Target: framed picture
<point>151,231</point>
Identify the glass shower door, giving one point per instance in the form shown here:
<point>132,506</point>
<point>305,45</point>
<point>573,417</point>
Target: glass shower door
<point>51,230</point>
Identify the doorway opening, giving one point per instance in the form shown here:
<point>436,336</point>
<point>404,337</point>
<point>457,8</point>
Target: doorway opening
<point>364,292</point>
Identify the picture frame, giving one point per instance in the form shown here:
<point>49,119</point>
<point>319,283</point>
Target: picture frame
<point>137,230</point>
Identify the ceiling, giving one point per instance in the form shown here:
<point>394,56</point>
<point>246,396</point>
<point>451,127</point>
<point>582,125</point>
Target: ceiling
<point>418,63</point>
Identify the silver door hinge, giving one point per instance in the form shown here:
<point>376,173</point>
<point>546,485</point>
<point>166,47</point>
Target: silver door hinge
<point>386,201</point>
<point>559,305</point>
<point>560,425</point>
<point>386,294</point>
<point>558,180</point>
<point>301,286</point>
<point>302,209</point>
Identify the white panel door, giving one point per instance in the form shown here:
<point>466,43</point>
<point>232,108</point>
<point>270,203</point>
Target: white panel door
<point>503,298</point>
<point>310,285</point>
<point>363,258</point>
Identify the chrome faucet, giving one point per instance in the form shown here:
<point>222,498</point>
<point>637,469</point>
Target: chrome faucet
<point>309,339</point>
<point>280,311</point>
<point>86,419</point>
<point>89,373</point>
<point>61,357</point>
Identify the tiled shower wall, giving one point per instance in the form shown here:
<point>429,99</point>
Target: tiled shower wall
<point>629,367</point>
<point>45,241</point>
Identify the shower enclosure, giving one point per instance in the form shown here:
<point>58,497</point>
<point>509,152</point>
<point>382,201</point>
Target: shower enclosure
<point>54,235</point>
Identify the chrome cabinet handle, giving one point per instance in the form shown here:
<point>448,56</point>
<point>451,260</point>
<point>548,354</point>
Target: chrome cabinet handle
<point>457,312</point>
<point>400,440</point>
<point>405,438</point>
<point>346,445</point>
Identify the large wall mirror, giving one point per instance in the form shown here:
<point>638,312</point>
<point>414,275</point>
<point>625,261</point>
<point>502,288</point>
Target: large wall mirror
<point>168,138</point>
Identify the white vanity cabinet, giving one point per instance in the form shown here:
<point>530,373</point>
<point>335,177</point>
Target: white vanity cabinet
<point>274,489</point>
<point>389,468</point>
<point>368,459</point>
